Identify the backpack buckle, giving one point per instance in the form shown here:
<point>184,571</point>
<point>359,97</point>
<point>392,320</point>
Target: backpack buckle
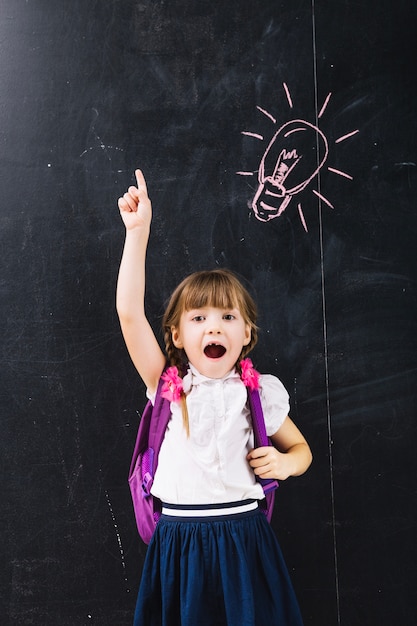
<point>147,482</point>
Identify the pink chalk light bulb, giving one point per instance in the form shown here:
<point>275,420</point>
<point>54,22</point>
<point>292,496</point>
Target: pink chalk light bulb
<point>294,156</point>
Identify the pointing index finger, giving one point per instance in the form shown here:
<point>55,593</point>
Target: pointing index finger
<point>141,182</point>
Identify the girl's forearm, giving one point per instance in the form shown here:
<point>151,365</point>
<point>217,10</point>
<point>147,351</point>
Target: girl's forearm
<point>130,292</point>
<point>300,457</point>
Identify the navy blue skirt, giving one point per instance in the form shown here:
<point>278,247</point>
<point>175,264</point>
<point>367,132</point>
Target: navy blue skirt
<point>223,570</point>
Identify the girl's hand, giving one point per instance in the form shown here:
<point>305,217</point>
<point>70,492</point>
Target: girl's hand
<point>268,462</point>
<point>135,205</point>
<point>290,454</point>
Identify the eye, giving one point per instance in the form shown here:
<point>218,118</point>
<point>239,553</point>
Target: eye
<point>198,318</point>
<point>229,316</point>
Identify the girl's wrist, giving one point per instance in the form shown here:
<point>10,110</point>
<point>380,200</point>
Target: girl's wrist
<point>300,458</point>
<point>138,232</point>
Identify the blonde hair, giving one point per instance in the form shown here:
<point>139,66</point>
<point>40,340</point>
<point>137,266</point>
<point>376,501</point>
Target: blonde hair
<point>218,288</point>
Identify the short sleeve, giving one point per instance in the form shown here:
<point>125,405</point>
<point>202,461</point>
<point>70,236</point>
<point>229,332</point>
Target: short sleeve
<point>151,396</point>
<point>275,402</point>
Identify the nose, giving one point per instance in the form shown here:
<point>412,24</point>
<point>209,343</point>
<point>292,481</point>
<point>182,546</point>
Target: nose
<point>214,323</point>
<point>214,327</point>
<point>214,330</point>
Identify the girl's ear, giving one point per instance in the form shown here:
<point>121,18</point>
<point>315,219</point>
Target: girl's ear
<point>176,340</point>
<point>248,335</point>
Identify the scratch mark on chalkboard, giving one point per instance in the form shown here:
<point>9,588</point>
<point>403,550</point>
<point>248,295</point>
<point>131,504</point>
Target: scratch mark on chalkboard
<point>72,479</point>
<point>71,476</point>
<point>119,540</point>
<point>102,147</point>
<point>69,352</point>
<point>107,149</point>
<point>293,158</point>
<point>325,337</point>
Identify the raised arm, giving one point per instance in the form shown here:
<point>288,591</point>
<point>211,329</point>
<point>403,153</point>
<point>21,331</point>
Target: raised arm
<point>136,212</point>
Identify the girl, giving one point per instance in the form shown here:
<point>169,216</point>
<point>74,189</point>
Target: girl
<point>213,559</point>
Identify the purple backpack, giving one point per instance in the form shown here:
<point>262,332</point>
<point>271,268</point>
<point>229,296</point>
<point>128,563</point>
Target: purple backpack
<point>151,433</point>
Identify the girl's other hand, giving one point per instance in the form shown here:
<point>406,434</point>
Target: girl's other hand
<point>268,462</point>
<point>135,205</point>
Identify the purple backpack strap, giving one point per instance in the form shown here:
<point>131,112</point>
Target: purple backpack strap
<point>160,417</point>
<point>151,430</point>
<point>150,435</point>
<point>261,439</point>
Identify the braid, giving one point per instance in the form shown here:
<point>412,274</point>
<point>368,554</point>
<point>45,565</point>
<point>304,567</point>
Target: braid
<point>174,355</point>
<point>175,359</point>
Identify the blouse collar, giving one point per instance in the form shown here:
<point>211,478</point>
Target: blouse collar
<point>193,378</point>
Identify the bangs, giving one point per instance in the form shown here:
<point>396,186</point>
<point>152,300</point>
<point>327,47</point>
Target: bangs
<point>212,290</point>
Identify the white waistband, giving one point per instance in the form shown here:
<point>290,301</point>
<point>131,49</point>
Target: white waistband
<point>209,512</point>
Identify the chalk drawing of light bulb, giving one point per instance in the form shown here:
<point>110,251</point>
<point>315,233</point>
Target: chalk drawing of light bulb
<point>294,156</point>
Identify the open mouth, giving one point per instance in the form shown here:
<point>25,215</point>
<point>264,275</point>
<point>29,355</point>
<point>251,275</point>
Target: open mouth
<point>214,351</point>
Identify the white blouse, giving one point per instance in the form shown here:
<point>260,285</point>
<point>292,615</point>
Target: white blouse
<point>210,466</point>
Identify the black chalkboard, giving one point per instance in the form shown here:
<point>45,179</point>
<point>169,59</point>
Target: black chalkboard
<point>213,100</point>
